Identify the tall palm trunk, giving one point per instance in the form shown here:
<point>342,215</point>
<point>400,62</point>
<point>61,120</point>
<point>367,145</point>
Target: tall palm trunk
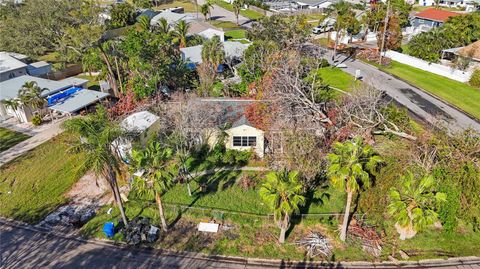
<point>111,74</point>
<point>116,194</point>
<point>160,211</point>
<point>283,230</point>
<point>343,233</point>
<point>337,37</point>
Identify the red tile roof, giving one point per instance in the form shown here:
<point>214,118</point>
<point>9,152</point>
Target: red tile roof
<point>436,14</point>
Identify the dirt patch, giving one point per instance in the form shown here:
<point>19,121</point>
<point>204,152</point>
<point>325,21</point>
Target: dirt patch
<point>89,191</point>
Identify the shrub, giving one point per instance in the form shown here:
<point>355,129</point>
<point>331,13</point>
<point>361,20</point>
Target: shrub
<point>37,120</point>
<point>475,79</point>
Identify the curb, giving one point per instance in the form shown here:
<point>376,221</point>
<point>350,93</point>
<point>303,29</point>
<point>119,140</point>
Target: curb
<point>428,263</point>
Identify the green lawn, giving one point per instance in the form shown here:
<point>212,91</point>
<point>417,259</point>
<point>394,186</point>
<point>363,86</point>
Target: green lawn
<point>188,6</point>
<point>247,13</point>
<point>235,34</point>
<point>456,93</point>
<point>9,138</point>
<point>224,24</point>
<point>335,77</point>
<point>33,185</point>
<point>92,83</point>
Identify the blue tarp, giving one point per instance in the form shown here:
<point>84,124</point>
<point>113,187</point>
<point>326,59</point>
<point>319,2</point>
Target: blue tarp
<point>54,98</point>
<point>109,229</point>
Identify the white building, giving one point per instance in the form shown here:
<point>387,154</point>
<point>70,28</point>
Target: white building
<point>233,50</point>
<point>15,65</point>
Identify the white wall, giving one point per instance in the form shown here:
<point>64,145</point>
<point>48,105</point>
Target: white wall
<point>442,70</point>
<point>245,130</point>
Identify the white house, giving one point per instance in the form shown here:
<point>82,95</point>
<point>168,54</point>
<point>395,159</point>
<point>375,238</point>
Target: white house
<point>171,17</point>
<point>312,4</point>
<point>65,96</point>
<point>205,30</point>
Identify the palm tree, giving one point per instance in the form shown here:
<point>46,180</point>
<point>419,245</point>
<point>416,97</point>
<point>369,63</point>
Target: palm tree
<point>143,23</point>
<point>237,6</point>
<point>212,52</point>
<point>350,168</point>
<point>282,192</point>
<point>181,32</point>
<point>155,180</point>
<point>340,11</point>
<point>31,95</point>
<point>163,26</point>
<point>95,139</point>
<point>205,9</point>
<point>13,104</point>
<point>414,205</point>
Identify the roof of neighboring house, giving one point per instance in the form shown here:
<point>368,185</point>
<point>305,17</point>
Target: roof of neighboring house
<point>39,64</point>
<point>436,14</point>
<point>471,51</point>
<point>232,50</point>
<point>11,87</point>
<point>197,27</point>
<point>9,62</point>
<point>78,100</point>
<point>139,121</point>
<point>148,12</point>
<point>171,17</point>
<point>313,2</point>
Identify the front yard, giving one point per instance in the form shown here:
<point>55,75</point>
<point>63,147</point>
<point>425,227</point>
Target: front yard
<point>9,138</point>
<point>456,93</point>
<point>33,185</point>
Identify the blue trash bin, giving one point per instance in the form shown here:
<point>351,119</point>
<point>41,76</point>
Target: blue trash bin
<point>109,229</point>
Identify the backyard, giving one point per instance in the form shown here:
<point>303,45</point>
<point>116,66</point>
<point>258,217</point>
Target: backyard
<point>456,93</point>
<point>9,138</point>
<point>247,13</point>
<point>188,6</point>
<point>33,185</point>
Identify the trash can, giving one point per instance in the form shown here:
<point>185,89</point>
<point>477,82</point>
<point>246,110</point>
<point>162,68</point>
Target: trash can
<point>109,229</point>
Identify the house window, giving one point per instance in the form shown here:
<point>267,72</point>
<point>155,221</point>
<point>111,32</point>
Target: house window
<point>244,141</point>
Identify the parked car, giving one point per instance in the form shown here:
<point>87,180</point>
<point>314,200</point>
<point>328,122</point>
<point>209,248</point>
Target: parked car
<point>322,29</point>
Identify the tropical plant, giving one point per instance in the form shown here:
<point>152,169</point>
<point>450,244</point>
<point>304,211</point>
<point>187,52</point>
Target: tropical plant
<point>31,95</point>
<point>414,205</point>
<point>181,32</point>
<point>342,13</point>
<point>163,26</point>
<point>37,120</point>
<point>475,78</point>
<point>205,9</point>
<point>282,193</point>
<point>212,56</point>
<point>156,179</point>
<point>122,15</point>
<point>350,168</point>
<point>237,6</point>
<point>95,136</point>
<point>13,104</point>
<point>143,23</point>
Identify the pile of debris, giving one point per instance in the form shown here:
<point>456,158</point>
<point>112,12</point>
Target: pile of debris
<point>69,216</point>
<point>139,231</point>
<point>370,239</point>
<point>372,55</point>
<point>316,244</point>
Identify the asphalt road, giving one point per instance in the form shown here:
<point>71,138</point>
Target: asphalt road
<point>22,246</point>
<point>422,104</point>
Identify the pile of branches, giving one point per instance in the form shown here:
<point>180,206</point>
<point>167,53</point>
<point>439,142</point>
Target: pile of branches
<point>316,244</point>
<point>373,55</point>
<point>140,231</point>
<point>371,240</point>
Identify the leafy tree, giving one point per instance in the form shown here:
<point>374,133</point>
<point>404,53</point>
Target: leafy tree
<point>414,205</point>
<point>143,23</point>
<point>91,61</point>
<point>213,55</point>
<point>393,36</point>
<point>155,179</point>
<point>237,6</point>
<point>13,104</point>
<point>38,26</point>
<point>163,26</point>
<point>282,193</point>
<point>95,135</point>
<point>121,15</point>
<point>342,13</point>
<point>475,78</point>
<point>205,9</point>
<point>350,168</point>
<point>181,32</point>
<point>282,30</point>
<point>255,60</point>
<point>142,3</point>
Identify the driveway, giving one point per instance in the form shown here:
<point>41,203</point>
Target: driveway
<point>422,104</point>
<point>221,14</point>
<point>38,138</point>
<point>24,247</point>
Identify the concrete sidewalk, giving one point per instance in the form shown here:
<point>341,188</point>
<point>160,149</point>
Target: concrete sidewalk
<point>29,144</point>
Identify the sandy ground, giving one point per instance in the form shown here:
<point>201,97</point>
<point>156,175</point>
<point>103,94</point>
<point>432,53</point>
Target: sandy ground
<point>89,190</point>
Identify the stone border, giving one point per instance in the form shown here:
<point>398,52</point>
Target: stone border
<point>428,263</point>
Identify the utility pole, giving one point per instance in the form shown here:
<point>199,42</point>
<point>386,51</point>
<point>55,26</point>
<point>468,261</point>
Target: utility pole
<point>384,32</point>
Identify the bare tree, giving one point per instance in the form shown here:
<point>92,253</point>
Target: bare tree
<point>363,109</point>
